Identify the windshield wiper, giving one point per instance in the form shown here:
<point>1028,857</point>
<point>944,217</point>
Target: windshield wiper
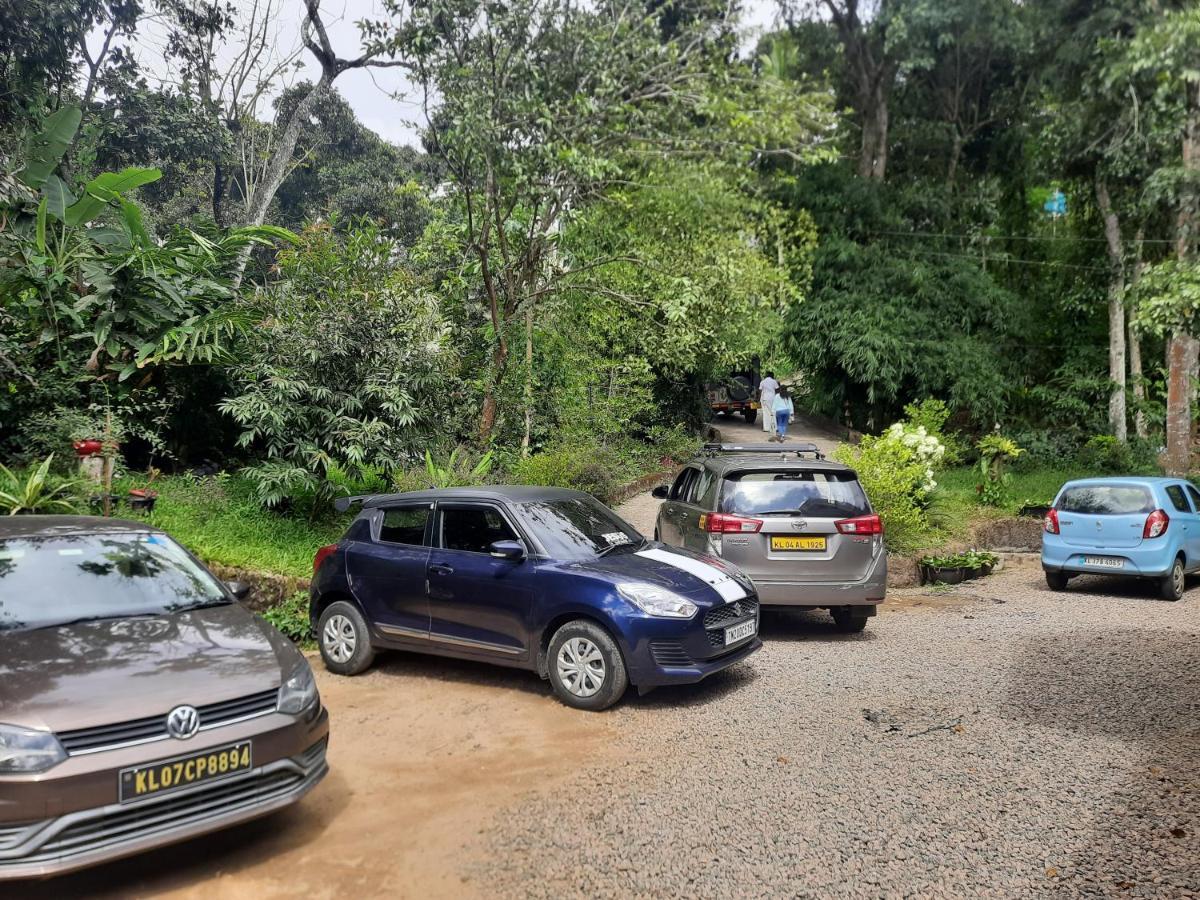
<point>65,622</point>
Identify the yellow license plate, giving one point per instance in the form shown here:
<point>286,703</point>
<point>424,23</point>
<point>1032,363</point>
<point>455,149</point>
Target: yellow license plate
<point>788,542</point>
<point>183,771</point>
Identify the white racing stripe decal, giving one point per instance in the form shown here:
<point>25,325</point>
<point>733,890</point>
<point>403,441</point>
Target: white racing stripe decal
<point>720,582</point>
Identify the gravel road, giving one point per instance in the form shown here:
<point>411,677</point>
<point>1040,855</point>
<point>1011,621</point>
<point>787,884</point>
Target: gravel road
<point>992,740</point>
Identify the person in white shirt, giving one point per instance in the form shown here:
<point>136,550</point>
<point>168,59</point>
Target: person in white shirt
<point>767,388</point>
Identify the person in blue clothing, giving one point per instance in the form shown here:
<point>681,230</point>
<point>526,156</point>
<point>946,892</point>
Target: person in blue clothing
<point>784,411</point>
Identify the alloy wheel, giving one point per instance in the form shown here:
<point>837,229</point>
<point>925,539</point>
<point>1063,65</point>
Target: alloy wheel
<point>338,638</point>
<point>581,667</point>
<point>1177,577</point>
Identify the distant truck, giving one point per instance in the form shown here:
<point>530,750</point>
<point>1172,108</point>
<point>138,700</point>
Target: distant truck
<point>736,394</point>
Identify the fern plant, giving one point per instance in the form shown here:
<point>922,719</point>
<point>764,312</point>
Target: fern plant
<point>456,471</point>
<point>37,492</point>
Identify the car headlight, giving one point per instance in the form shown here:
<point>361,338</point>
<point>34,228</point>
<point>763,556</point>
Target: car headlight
<point>26,750</point>
<point>299,691</point>
<point>655,601</point>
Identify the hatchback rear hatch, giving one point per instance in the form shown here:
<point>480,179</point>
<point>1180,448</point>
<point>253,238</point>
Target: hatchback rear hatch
<point>1104,516</point>
<point>799,525</point>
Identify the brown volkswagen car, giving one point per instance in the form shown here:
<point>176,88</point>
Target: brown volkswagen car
<point>140,703</point>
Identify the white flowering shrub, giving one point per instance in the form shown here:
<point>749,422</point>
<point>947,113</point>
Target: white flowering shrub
<point>924,447</point>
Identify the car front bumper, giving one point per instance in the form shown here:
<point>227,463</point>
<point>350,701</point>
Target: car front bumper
<point>292,763</point>
<point>663,653</point>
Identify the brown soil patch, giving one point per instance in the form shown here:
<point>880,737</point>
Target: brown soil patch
<point>423,751</point>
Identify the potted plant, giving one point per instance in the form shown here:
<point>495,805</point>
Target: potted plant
<point>1035,509</point>
<point>143,499</point>
<point>942,569</point>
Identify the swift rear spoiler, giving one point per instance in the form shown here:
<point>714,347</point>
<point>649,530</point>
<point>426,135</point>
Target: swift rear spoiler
<point>342,504</point>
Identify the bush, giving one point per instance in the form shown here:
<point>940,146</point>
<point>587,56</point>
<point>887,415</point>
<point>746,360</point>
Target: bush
<point>1103,453</point>
<point>995,452</point>
<point>291,617</point>
<point>37,491</point>
<point>897,482</point>
<point>590,469</point>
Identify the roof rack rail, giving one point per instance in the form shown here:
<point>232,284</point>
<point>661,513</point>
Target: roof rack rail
<point>717,449</point>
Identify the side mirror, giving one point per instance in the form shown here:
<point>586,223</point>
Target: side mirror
<point>514,551</point>
<point>239,589</point>
<point>662,492</point>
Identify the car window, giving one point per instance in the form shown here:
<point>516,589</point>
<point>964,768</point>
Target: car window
<point>1195,495</point>
<point>1106,499</point>
<point>49,581</point>
<point>817,494</point>
<point>404,525</point>
<point>1178,498</point>
<point>682,482</point>
<point>474,528</point>
<point>577,527</point>
<point>701,487</point>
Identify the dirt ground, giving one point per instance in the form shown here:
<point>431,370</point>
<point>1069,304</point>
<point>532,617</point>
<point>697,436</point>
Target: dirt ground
<point>423,752</point>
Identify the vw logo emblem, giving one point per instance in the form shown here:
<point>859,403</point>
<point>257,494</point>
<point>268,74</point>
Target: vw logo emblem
<point>799,525</point>
<point>183,722</point>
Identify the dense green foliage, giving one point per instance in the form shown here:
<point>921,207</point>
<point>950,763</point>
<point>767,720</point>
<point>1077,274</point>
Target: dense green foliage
<point>992,208</point>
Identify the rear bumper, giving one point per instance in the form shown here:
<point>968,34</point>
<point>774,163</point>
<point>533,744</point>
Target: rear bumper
<point>869,592</point>
<point>1139,562</point>
<point>87,837</point>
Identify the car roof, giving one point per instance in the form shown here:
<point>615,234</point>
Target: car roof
<point>759,462</point>
<point>503,493</point>
<point>61,526</point>
<point>1146,480</point>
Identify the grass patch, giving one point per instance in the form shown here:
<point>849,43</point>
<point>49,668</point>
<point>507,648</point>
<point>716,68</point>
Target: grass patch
<point>958,487</point>
<point>218,519</point>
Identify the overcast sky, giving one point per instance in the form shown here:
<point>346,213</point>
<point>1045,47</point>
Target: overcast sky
<point>382,99</point>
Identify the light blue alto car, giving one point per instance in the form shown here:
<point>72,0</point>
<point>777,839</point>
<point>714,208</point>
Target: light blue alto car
<point>1138,527</point>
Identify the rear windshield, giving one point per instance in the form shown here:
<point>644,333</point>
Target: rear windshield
<point>1106,499</point>
<point>817,494</point>
<point>52,581</point>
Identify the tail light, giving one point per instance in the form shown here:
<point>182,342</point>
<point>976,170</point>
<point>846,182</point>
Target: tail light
<point>723,523</point>
<point>1050,523</point>
<point>871,524</point>
<point>320,557</point>
<point>1156,524</point>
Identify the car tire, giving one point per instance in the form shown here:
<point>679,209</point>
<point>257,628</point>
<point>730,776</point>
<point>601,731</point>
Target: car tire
<point>586,651</point>
<point>344,639</point>
<point>1171,585</point>
<point>847,622</point>
<point>750,415</point>
<point>1057,581</point>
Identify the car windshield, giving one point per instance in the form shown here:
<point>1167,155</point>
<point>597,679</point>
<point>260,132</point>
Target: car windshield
<point>56,580</point>
<point>1106,500</point>
<point>816,494</point>
<point>578,527</point>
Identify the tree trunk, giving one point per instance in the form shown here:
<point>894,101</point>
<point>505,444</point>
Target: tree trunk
<point>1135,351</point>
<point>1116,314</point>
<point>872,162</point>
<point>956,149</point>
<point>528,436</point>
<point>1182,351</point>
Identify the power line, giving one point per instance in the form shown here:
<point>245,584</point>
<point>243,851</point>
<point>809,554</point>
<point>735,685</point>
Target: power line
<point>1007,259</point>
<point>1009,237</point>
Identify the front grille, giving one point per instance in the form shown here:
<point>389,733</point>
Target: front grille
<point>151,728</point>
<point>731,612</point>
<point>121,826</point>
<point>669,653</point>
<point>11,835</point>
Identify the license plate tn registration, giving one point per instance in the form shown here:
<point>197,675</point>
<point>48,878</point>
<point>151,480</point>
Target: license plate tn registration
<point>171,774</point>
<point>735,633</point>
<point>1106,562</point>
<point>795,542</point>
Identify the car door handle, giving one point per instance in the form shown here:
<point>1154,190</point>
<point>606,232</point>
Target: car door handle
<point>441,570</point>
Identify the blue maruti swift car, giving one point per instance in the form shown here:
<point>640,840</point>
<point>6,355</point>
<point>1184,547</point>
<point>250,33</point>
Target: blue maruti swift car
<point>1137,527</point>
<point>537,578</point>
